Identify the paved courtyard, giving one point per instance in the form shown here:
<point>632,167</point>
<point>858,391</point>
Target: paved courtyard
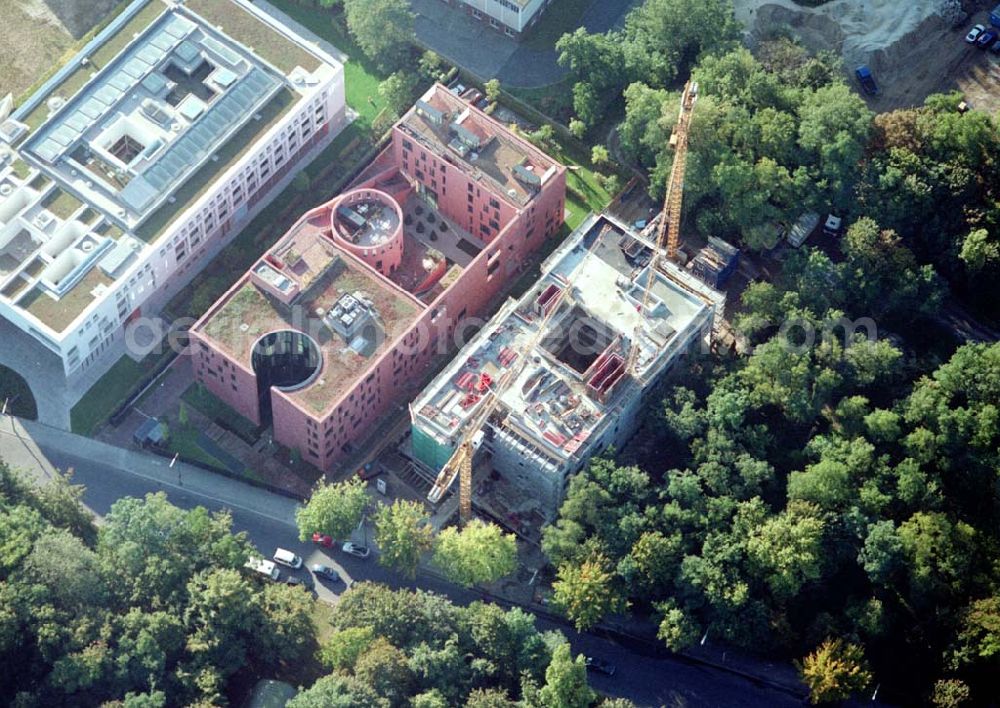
<point>476,47</point>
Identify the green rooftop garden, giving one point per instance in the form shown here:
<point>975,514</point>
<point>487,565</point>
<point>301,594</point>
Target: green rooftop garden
<point>62,204</point>
<point>196,185</point>
<point>21,169</point>
<point>258,36</point>
<point>59,314</point>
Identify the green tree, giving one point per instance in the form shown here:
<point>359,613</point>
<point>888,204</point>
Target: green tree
<point>397,91</point>
<point>586,592</point>
<point>336,691</point>
<point>383,29</point>
<point>938,553</point>
<point>489,698</point>
<point>385,668</point>
<point>835,671</point>
<point>950,693</point>
<point>566,681</point>
<point>978,639</point>
<point>577,128</point>
<point>677,630</point>
<point>479,553</point>
<point>333,509</point>
<point>287,631</point>
<point>431,65</point>
<point>222,618</point>
<point>403,535</point>
<point>599,155</point>
<point>980,250</point>
<point>342,649</point>
<point>492,90</point>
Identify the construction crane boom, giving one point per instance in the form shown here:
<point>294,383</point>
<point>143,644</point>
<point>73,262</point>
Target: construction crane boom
<point>668,231</point>
<point>460,463</point>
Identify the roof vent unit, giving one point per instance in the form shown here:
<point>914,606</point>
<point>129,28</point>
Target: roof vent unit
<point>430,113</point>
<point>526,176</point>
<point>155,113</point>
<point>348,317</point>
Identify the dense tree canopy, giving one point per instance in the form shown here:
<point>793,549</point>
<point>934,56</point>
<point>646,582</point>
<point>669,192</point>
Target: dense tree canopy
<point>418,649</point>
<point>810,492</point>
<point>155,605</point>
<point>383,29</point>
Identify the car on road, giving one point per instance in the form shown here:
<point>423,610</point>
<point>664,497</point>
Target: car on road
<point>974,33</point>
<point>996,47</point>
<point>286,557</point>
<point>322,539</point>
<point>295,580</point>
<point>987,38</point>
<point>600,666</point>
<point>325,571</point>
<point>353,549</point>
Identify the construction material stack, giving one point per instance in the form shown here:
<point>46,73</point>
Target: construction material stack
<point>716,262</point>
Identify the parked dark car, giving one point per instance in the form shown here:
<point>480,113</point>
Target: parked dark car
<point>325,571</point>
<point>295,580</point>
<point>600,666</point>
<point>987,38</point>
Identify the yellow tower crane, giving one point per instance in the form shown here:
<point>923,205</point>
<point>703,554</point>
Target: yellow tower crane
<point>460,463</point>
<point>668,231</point>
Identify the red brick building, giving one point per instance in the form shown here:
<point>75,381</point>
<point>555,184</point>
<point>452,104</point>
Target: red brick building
<point>337,323</point>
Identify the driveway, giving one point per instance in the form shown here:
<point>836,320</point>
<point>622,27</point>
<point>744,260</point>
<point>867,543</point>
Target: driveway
<point>483,51</point>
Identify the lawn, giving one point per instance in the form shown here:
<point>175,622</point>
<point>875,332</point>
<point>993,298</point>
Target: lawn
<point>110,390</point>
<point>563,16</point>
<point>16,395</point>
<point>361,79</point>
<point>203,401</point>
<point>184,441</point>
<point>555,100</point>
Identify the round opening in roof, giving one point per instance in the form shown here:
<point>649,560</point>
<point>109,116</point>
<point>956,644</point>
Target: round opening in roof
<point>287,360</point>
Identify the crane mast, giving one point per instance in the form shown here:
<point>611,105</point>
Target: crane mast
<point>668,231</point>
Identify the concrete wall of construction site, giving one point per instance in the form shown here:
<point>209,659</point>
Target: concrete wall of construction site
<point>542,483</point>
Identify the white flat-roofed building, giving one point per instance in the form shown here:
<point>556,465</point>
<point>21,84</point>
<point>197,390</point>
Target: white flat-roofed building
<point>512,17</point>
<point>143,157</point>
<point>572,396</point>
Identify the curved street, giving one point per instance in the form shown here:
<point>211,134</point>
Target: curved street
<point>648,677</point>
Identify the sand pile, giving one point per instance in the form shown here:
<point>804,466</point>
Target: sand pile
<point>854,28</point>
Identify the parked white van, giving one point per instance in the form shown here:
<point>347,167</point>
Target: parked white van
<point>287,558</point>
<point>264,567</point>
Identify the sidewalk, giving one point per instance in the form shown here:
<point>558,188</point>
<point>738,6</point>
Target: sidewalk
<point>20,441</point>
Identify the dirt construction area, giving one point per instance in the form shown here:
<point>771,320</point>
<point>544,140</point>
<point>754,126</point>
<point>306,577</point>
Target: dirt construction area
<point>39,35</point>
<point>34,40</point>
<point>914,47</point>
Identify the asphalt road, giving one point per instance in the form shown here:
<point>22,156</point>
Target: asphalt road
<point>644,676</point>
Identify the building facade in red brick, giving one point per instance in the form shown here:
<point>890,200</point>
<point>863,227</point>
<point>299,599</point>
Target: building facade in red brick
<point>336,325</point>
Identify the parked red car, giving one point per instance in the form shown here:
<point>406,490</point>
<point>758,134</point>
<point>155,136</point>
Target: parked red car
<point>323,540</point>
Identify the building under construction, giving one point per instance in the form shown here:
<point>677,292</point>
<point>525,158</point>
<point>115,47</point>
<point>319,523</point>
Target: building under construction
<point>578,388</point>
